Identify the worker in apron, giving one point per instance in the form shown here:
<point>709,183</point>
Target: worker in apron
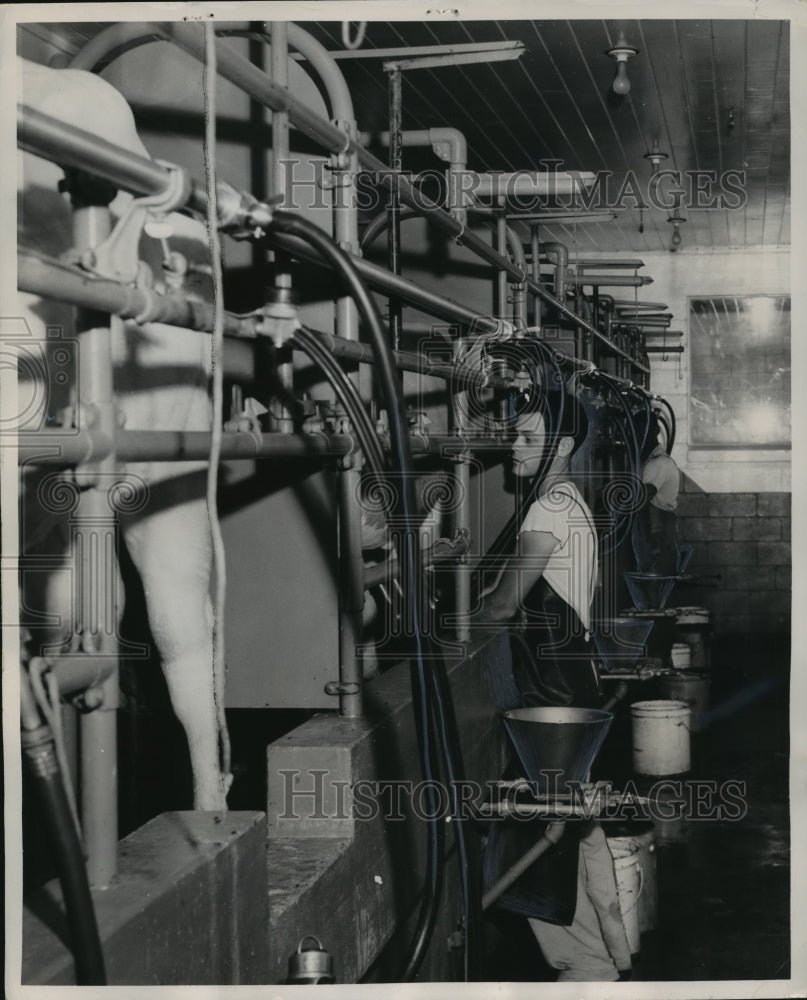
<point>655,533</point>
<point>569,895</point>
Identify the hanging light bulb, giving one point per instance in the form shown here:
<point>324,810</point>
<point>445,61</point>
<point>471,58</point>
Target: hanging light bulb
<point>676,219</point>
<point>655,156</point>
<point>621,52</point>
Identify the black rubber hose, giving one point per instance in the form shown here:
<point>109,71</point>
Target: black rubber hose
<point>648,419</point>
<point>627,425</point>
<point>667,431</point>
<point>40,757</point>
<point>407,543</point>
<point>503,543</point>
<point>671,439</point>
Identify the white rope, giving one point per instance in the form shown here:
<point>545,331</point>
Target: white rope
<point>216,360</point>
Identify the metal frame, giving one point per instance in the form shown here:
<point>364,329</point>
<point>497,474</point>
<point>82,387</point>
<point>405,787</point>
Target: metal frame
<point>101,447</point>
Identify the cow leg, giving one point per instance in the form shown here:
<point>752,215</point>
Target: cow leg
<point>171,550</point>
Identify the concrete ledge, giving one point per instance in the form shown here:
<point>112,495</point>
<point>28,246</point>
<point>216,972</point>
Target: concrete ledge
<point>352,878</point>
<point>189,906</point>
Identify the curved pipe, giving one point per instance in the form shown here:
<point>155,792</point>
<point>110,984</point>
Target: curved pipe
<point>449,139</point>
<point>449,144</point>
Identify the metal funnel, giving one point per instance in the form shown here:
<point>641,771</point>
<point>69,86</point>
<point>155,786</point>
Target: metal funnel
<point>556,739</point>
<point>649,590</point>
<point>621,641</point>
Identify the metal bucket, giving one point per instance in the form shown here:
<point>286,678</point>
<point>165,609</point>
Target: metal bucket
<point>639,837</point>
<point>661,743</point>
<point>692,688</point>
<point>629,887</point>
<point>693,627</point>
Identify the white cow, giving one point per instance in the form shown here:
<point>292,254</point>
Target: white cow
<point>169,540</point>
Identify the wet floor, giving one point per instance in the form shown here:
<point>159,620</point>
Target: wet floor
<point>723,884</point>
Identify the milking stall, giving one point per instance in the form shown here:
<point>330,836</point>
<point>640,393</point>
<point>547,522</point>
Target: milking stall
<point>400,448</point>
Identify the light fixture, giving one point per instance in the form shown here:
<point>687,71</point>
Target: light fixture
<point>621,52</point>
<point>676,219</point>
<point>655,156</point>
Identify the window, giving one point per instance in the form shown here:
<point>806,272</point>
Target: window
<point>740,371</point>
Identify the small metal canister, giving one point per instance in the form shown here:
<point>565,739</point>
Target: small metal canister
<point>311,964</point>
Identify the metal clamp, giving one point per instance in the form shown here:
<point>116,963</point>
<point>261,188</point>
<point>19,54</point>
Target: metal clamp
<point>117,256</point>
<point>342,687</point>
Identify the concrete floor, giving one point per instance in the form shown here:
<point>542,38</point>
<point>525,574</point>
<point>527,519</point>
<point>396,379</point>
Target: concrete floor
<point>724,887</point>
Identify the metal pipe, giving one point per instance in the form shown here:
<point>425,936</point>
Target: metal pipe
<point>395,96</point>
<point>462,512</point>
<point>73,147</point>
<point>257,84</point>
<point>79,673</point>
<point>377,225</point>
<point>380,280</point>
<point>247,77</point>
<point>519,287</point>
<point>67,449</point>
<point>64,450</point>
<point>455,372</point>
<point>279,70</point>
<point>449,144</point>
<point>51,279</point>
<point>351,591</point>
<point>345,203</point>
<point>551,836</point>
<point>536,276</point>
<point>664,349</point>
<point>610,280</point>
<point>94,545</point>
<point>548,297</point>
<point>558,253</point>
<point>501,277</point>
<point>39,756</point>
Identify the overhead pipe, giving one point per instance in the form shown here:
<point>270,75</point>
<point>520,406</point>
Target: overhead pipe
<point>143,176</point>
<point>449,144</point>
<point>243,74</point>
<point>255,83</point>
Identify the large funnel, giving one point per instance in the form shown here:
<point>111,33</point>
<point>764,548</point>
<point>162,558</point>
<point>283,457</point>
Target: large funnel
<point>556,739</point>
<point>621,641</point>
<point>649,590</point>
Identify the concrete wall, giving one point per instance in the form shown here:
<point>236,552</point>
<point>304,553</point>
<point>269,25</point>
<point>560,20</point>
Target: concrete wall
<point>744,537</point>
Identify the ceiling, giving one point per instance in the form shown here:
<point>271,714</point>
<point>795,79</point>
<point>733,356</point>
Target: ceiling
<point>715,94</point>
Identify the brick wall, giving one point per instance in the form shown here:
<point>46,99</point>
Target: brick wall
<point>746,538</point>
